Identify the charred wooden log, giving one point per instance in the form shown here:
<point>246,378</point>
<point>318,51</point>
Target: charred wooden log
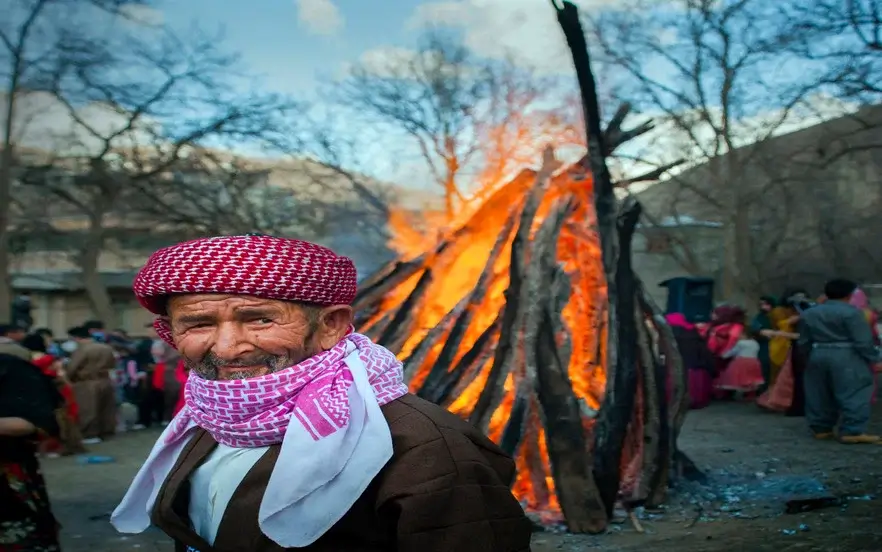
<point>618,404</point>
<point>396,332</point>
<point>533,456</point>
<point>677,405</point>
<point>623,289</point>
<point>413,363</point>
<point>616,410</point>
<point>512,317</point>
<point>538,276</point>
<point>468,367</point>
<point>655,424</point>
<point>517,424</point>
<point>568,450</point>
<point>376,329</point>
<point>523,405</point>
<point>604,193</point>
<point>378,276</point>
<point>464,316</point>
<point>377,285</point>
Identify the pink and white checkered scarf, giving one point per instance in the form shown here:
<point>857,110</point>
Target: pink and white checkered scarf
<point>324,411</point>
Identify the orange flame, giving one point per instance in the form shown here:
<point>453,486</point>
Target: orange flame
<point>455,273</point>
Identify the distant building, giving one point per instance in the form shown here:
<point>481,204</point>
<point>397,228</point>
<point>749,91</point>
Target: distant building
<point>814,201</point>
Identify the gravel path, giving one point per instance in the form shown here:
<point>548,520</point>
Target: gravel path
<point>754,462</point>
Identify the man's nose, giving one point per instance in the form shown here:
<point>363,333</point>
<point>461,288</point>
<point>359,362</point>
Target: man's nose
<point>231,342</point>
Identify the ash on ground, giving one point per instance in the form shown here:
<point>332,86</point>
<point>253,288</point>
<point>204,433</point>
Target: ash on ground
<point>723,494</point>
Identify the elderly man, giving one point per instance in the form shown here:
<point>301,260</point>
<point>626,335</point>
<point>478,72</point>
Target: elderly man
<point>298,433</point>
<point>839,374</point>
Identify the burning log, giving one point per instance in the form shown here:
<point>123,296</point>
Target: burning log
<point>628,337</point>
<point>567,446</point>
<point>521,352</point>
<point>396,331</point>
<point>516,297</point>
<point>463,318</point>
<point>528,320</point>
<point>378,284</point>
<point>468,366</point>
<point>375,329</point>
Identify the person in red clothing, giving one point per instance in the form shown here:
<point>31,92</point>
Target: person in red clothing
<point>69,441</point>
<point>860,300</point>
<point>722,334</point>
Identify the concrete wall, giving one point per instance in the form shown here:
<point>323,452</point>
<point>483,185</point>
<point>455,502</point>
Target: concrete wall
<point>655,256</point>
<point>60,311</point>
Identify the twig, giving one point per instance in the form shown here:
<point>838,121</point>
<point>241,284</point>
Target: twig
<point>635,521</point>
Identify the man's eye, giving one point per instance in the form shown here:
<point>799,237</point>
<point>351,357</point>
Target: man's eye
<point>263,320</point>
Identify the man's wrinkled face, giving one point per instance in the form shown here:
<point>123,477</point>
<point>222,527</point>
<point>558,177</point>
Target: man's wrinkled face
<point>229,337</point>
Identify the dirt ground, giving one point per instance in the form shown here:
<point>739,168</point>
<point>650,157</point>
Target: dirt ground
<point>754,461</point>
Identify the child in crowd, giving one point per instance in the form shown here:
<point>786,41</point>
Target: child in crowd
<point>744,374</point>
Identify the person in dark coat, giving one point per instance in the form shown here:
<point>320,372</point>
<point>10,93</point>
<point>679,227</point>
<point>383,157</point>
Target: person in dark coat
<point>761,329</point>
<point>298,433</point>
<point>28,401</point>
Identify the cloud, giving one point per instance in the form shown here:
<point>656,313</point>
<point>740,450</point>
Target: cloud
<point>392,61</point>
<point>321,17</point>
<point>526,29</point>
<point>141,14</point>
<point>383,60</point>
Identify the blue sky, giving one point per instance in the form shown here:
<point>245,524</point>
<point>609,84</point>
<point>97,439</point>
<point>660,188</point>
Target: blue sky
<point>293,45</point>
<point>293,50</point>
<point>296,44</point>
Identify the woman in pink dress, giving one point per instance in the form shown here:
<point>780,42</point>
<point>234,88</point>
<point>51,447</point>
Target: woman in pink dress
<point>724,331</point>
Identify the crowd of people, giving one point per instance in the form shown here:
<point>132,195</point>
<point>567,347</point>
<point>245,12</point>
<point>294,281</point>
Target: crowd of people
<point>797,356</point>
<point>81,390</point>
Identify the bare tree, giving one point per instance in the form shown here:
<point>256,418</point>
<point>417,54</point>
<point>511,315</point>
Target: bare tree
<point>712,73</point>
<point>842,42</point>
<point>217,192</point>
<point>160,101</point>
<point>343,158</point>
<point>29,27</point>
<point>468,116</point>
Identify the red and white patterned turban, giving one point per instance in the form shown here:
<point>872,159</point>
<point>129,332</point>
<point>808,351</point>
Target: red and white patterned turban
<point>262,266</point>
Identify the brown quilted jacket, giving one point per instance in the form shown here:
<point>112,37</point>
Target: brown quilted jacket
<point>446,489</point>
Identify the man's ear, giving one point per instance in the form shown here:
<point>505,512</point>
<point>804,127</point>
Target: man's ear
<point>333,324</point>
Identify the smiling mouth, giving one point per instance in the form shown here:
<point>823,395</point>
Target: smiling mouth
<point>241,372</point>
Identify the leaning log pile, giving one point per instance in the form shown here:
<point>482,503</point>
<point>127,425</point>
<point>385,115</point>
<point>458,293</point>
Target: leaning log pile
<point>529,321</point>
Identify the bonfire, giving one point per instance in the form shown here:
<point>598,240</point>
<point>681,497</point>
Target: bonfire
<point>527,320</point>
